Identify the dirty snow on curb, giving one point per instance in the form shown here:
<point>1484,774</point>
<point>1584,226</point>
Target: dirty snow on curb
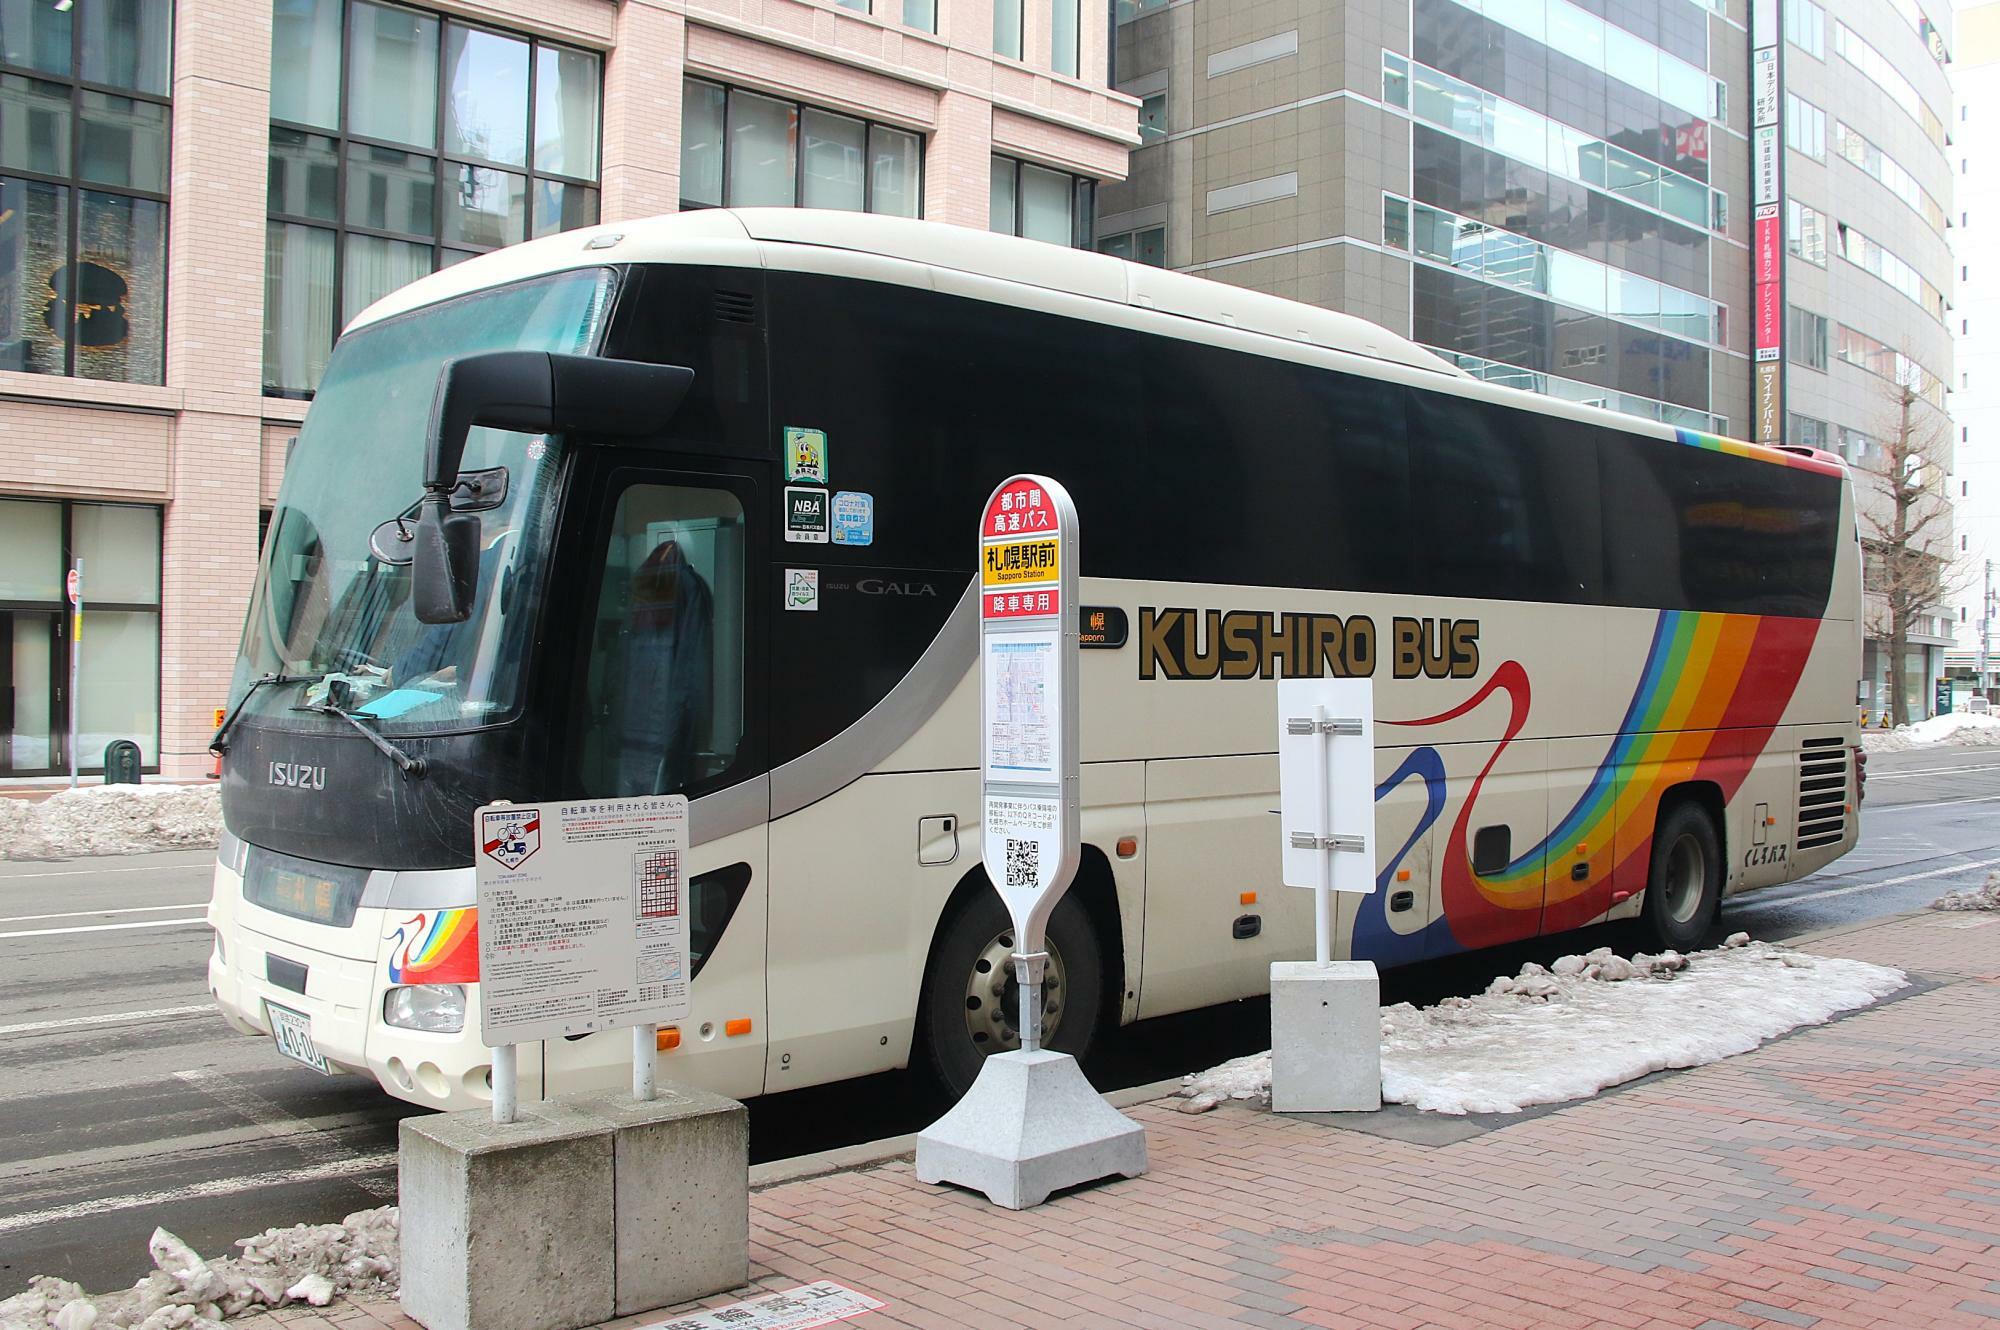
<point>307,1263</point>
<point>1954,729</point>
<point>1585,1023</point>
<point>1983,897</point>
<point>111,819</point>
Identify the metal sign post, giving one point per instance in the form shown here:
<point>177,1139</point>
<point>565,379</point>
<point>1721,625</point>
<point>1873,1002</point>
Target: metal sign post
<point>1031,1123</point>
<point>1326,1042</point>
<point>582,927</point>
<point>75,589</point>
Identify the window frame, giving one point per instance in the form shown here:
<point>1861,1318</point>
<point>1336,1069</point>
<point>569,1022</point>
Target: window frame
<point>799,109</point>
<point>441,161</point>
<point>1822,361</point>
<point>1082,221</point>
<point>75,185</point>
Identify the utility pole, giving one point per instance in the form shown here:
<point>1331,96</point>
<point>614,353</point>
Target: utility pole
<point>1985,628</point>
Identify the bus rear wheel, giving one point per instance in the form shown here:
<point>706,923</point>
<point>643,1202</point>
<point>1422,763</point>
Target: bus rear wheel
<point>1684,887</point>
<point>971,1006</point>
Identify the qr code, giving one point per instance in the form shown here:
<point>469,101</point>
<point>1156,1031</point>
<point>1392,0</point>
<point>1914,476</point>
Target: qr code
<point>1024,862</point>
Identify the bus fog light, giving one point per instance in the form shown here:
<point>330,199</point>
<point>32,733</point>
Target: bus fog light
<point>438,1008</point>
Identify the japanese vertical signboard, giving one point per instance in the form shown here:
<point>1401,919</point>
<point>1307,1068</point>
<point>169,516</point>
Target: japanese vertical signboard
<point>1767,179</point>
<point>1028,685</point>
<point>583,916</point>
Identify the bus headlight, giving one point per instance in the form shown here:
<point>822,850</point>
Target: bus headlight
<point>438,1008</point>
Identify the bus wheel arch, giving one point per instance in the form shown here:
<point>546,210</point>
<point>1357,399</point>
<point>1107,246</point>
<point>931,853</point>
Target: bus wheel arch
<point>1687,866</point>
<point>967,992</point>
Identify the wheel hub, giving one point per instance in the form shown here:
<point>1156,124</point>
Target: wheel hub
<point>993,996</point>
<point>1687,875</point>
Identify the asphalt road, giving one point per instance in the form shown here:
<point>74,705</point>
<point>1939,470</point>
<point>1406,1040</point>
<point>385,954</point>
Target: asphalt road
<point>126,1103</point>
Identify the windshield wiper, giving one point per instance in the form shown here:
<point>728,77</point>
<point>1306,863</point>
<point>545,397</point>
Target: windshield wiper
<point>413,768</point>
<point>219,744</point>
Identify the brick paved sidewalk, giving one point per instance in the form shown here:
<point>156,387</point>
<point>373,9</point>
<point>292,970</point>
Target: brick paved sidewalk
<point>1848,1175</point>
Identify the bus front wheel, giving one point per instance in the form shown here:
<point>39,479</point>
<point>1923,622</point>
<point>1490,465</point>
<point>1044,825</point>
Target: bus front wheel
<point>972,1001</point>
<point>1685,885</point>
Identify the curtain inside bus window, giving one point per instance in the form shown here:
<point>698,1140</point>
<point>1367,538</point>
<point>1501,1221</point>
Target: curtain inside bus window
<point>664,683</point>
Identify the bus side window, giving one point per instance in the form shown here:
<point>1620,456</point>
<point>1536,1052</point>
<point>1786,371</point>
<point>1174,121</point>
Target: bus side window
<point>663,691</point>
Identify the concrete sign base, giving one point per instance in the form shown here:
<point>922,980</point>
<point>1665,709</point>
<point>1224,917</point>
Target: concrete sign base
<point>1030,1125</point>
<point>1326,1037</point>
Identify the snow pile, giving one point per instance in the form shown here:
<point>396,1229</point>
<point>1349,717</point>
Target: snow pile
<point>1985,897</point>
<point>1587,1022</point>
<point>1954,729</point>
<point>310,1263</point>
<point>111,819</point>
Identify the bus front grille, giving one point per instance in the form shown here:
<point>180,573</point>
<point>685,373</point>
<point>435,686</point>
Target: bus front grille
<point>1822,792</point>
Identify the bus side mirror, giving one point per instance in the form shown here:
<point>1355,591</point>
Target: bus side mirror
<point>534,392</point>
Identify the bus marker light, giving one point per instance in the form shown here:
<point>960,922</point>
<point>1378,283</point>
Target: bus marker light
<point>1247,898</point>
<point>1127,846</point>
<point>1772,821</point>
<point>1618,896</point>
<point>741,1025</point>
<point>1583,851</point>
<point>1402,875</point>
<point>668,1038</point>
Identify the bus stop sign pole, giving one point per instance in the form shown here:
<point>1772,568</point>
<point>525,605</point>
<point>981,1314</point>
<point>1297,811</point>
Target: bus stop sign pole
<point>1031,1123</point>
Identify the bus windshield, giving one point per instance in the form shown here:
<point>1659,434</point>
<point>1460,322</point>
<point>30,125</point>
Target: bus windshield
<point>327,604</point>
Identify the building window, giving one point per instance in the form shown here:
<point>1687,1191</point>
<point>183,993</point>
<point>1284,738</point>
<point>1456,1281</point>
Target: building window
<point>1809,432</point>
<point>1867,254</point>
<point>1857,348</point>
<point>1885,76</point>
<point>742,149</point>
<point>118,667</point>
<point>1007,28</point>
<point>920,14</point>
<point>1148,245</point>
<point>1805,27</point>
<point>1153,119</point>
<point>1805,232</point>
<point>1805,127</point>
<point>1806,344</point>
<point>83,188</point>
<point>1040,203</point>
<point>455,140</point>
<point>1065,19</point>
<point>1886,169</point>
<point>1852,444</point>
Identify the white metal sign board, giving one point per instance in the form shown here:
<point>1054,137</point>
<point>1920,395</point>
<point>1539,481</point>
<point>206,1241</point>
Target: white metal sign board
<point>583,916</point>
<point>1326,783</point>
<point>1027,674</point>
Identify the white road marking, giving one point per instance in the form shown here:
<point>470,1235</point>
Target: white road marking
<point>1928,771</point>
<point>332,1168</point>
<point>277,1121</point>
<point>104,928</point>
<point>107,1018</point>
<point>93,872</point>
<point>129,909</point>
<point>1941,803</point>
<point>1817,896</point>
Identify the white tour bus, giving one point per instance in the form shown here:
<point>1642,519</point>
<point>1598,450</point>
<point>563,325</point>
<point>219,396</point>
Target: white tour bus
<point>1615,661</point>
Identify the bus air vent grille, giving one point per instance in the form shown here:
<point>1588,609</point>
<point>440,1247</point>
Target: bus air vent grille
<point>1822,792</point>
<point>735,307</point>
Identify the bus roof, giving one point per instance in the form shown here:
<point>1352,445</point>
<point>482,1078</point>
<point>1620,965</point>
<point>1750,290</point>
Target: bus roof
<point>737,237</point>
<point>962,260</point>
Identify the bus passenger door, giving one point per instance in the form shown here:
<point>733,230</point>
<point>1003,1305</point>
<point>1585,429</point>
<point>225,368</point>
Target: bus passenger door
<point>663,699</point>
<point>1491,881</point>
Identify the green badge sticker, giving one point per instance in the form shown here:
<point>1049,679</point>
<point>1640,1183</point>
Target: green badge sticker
<point>805,455</point>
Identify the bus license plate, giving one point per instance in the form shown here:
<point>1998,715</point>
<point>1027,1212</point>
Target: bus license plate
<point>293,1032</point>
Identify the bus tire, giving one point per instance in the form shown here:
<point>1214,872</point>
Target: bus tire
<point>1684,886</point>
<point>970,1004</point>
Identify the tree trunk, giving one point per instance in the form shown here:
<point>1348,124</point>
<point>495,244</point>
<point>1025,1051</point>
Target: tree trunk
<point>1899,650</point>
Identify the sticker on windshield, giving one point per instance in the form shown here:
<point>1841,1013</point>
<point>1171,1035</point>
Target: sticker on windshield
<point>801,588</point>
<point>805,455</point>
<point>805,515</point>
<point>853,518</point>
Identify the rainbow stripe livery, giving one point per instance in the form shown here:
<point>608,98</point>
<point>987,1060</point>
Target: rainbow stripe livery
<point>436,947</point>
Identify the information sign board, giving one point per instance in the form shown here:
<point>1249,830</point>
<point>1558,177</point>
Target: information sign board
<point>1028,730</point>
<point>583,922</point>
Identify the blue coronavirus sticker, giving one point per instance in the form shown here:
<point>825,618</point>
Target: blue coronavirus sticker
<point>853,518</point>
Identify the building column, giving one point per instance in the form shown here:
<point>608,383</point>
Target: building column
<point>958,164</point>
<point>215,330</point>
<point>642,112</point>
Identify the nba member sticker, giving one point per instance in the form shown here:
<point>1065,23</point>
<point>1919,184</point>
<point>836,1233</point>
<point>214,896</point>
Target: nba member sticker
<point>805,514</point>
<point>805,455</point>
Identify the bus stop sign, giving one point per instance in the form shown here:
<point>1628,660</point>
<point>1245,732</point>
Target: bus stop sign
<point>1028,696</point>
